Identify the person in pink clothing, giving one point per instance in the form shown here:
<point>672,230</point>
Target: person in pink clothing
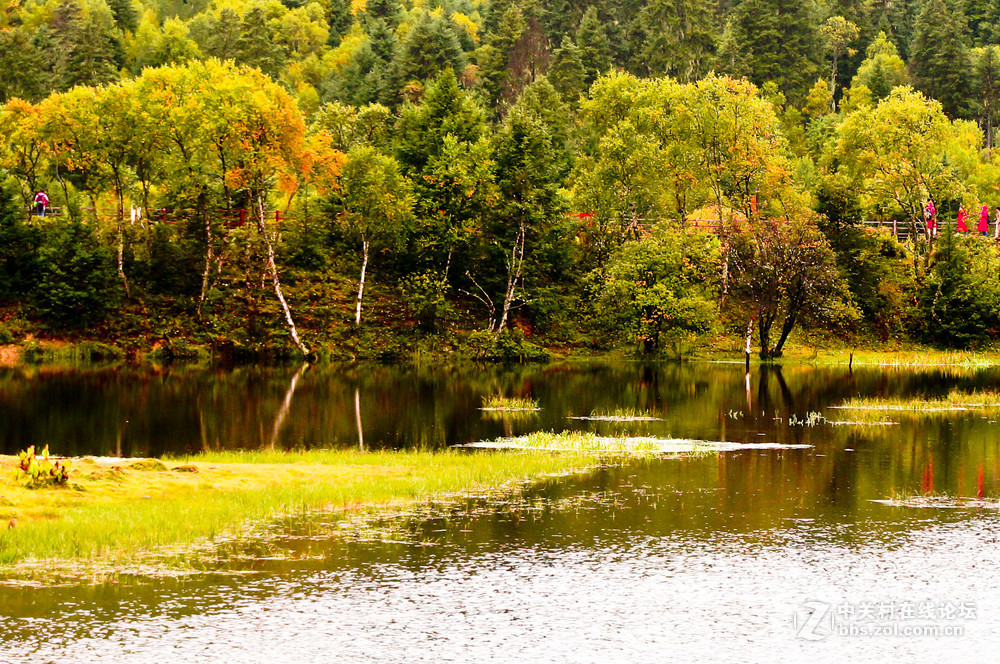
<point>984,220</point>
<point>962,216</point>
<point>930,214</point>
<point>41,202</point>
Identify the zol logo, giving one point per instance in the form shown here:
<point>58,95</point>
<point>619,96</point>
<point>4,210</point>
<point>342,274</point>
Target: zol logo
<point>812,621</point>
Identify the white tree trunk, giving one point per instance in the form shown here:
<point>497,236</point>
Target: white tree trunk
<point>273,269</point>
<point>361,283</point>
<point>514,267</point>
<point>208,262</point>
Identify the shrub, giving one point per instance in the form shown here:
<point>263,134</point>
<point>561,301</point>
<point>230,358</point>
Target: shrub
<point>508,346</point>
<point>42,471</point>
<point>426,297</point>
<point>77,284</point>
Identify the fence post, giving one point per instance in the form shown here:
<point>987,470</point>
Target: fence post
<point>243,217</point>
<point>895,234</point>
<point>277,216</point>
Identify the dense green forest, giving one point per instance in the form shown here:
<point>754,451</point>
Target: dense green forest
<point>365,178</point>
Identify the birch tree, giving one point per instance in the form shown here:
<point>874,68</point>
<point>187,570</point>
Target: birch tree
<point>372,203</point>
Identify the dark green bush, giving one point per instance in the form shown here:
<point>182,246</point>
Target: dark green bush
<point>77,282</point>
<point>508,346</point>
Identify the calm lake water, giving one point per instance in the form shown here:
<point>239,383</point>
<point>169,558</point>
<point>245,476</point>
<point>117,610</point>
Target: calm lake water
<point>762,555</point>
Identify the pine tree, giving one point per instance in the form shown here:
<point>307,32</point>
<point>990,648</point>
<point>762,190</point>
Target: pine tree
<point>988,89</point>
<point>677,38</point>
<point>595,47</point>
<point>430,47</point>
<point>257,45</point>
<point>984,21</point>
<point>566,73</point>
<point>22,64</point>
<point>445,110</point>
<point>774,40</point>
<point>84,47</point>
<point>897,18</point>
<point>125,15</point>
<point>939,62</point>
<point>223,35</point>
<point>339,18</point>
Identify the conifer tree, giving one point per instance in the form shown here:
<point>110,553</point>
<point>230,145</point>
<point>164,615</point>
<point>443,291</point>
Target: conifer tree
<point>595,47</point>
<point>339,18</point>
<point>984,21</point>
<point>988,89</point>
<point>257,45</point>
<point>774,40</point>
<point>566,73</point>
<point>223,35</point>
<point>939,61</point>
<point>677,38</point>
<point>84,46</point>
<point>430,47</point>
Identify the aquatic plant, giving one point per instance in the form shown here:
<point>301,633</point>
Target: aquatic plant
<point>497,402</point>
<point>619,415</point>
<point>42,471</point>
<point>956,400</point>
<point>811,419</point>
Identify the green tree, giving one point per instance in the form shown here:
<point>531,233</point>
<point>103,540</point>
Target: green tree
<point>22,64</point>
<point>661,290</point>
<point>774,40</point>
<point>838,34</point>
<point>18,250</point>
<point>567,72</point>
<point>987,61</point>
<point>594,45</point>
<point>429,48</point>
<point>678,38</point>
<point>903,150</point>
<point>373,203</point>
<point>86,45</point>
<point>528,179</point>
<point>939,61</point>
<point>882,70</point>
<point>76,276</point>
<point>984,21</point>
<point>960,298</point>
<point>257,44</point>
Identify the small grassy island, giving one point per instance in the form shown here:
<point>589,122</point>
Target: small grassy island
<point>113,513</point>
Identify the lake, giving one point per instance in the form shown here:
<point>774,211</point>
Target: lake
<point>758,555</point>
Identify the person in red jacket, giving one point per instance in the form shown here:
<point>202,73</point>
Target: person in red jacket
<point>962,216</point>
<point>984,220</point>
<point>41,202</point>
<point>930,214</point>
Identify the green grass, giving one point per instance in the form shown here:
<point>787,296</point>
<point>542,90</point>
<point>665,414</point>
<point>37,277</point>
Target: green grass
<point>956,400</point>
<point>620,415</point>
<point>509,403</point>
<point>119,520</point>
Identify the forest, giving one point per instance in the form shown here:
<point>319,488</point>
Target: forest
<point>493,178</point>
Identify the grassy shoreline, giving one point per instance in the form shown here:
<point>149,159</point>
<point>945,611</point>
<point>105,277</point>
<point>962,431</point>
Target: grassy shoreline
<point>118,511</point>
<point>722,349</point>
